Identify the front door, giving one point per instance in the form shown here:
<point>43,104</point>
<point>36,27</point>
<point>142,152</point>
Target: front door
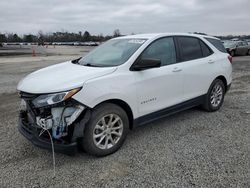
<point>158,88</point>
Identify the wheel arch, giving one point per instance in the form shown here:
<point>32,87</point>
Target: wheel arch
<point>224,80</point>
<point>124,106</point>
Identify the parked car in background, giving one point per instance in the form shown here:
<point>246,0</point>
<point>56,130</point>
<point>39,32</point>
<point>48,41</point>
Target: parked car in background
<point>248,46</point>
<point>236,47</point>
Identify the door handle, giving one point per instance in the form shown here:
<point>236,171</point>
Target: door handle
<point>177,69</point>
<point>210,61</point>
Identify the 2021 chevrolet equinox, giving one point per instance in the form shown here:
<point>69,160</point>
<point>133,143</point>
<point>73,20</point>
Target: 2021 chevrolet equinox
<point>128,81</point>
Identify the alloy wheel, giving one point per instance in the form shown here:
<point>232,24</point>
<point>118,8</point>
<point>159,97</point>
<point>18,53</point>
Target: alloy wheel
<point>216,95</point>
<point>108,131</point>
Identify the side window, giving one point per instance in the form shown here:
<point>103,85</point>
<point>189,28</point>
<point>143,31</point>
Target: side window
<point>244,43</point>
<point>217,44</point>
<point>240,44</point>
<point>162,49</point>
<point>206,51</point>
<point>190,48</point>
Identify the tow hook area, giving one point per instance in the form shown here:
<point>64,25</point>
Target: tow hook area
<point>59,120</point>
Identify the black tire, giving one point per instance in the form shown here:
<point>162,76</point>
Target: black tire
<point>248,53</point>
<point>232,53</point>
<point>208,106</point>
<point>88,143</point>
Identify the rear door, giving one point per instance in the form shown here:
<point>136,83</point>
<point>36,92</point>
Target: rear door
<point>198,64</point>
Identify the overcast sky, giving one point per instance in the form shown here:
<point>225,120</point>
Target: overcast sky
<point>137,16</point>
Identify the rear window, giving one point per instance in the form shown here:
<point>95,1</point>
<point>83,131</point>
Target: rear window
<point>217,44</point>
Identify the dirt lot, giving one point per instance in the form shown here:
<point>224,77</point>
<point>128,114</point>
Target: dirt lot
<point>190,149</point>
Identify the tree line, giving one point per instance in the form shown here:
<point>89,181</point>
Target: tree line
<point>62,36</point>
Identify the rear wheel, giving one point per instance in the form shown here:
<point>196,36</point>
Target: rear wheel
<point>215,96</point>
<point>106,130</point>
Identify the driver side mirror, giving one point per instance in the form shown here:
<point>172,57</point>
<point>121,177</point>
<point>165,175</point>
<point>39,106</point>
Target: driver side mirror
<point>143,64</point>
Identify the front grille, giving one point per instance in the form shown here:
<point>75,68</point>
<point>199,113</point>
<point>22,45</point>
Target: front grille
<point>32,128</point>
<point>27,96</point>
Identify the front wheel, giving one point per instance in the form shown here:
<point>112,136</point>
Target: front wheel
<point>106,131</point>
<point>215,96</point>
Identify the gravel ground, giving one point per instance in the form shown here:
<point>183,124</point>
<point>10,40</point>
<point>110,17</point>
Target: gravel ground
<point>190,149</point>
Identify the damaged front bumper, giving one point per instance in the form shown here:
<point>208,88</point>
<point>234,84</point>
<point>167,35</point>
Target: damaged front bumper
<point>31,133</point>
<point>65,122</point>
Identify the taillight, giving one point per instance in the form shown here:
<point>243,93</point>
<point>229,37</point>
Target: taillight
<point>230,58</point>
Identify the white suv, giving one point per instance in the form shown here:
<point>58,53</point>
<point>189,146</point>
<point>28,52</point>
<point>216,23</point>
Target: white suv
<point>128,81</point>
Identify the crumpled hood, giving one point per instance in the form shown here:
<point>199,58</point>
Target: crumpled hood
<point>61,77</point>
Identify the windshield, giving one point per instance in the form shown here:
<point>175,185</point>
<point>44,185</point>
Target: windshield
<point>112,53</point>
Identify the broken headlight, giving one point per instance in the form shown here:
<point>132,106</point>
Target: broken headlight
<point>50,99</point>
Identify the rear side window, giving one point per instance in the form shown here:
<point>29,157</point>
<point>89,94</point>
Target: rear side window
<point>190,48</point>
<point>206,51</point>
<point>217,44</point>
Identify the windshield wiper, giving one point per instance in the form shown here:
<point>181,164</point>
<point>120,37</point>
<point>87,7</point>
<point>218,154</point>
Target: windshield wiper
<point>90,65</point>
<point>76,61</point>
